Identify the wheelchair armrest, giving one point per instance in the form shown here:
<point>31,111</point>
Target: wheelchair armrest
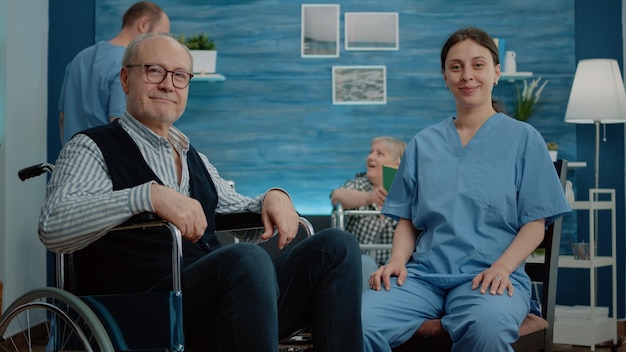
<point>237,221</point>
<point>147,219</point>
<point>248,226</point>
<point>138,221</point>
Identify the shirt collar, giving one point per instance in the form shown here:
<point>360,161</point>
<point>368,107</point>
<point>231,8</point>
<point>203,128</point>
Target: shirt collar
<point>143,134</point>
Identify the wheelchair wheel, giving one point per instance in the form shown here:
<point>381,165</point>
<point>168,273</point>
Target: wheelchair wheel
<point>50,319</point>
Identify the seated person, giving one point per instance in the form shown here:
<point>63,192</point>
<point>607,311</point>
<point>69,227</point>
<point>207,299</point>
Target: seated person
<point>479,188</point>
<point>235,298</point>
<point>366,192</point>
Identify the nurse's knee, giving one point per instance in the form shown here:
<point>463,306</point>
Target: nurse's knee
<point>372,311</point>
<point>487,328</point>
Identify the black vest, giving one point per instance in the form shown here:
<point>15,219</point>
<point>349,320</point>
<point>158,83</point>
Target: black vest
<point>134,260</point>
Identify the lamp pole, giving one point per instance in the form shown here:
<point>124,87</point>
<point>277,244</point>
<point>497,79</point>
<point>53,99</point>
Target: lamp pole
<point>597,156</point>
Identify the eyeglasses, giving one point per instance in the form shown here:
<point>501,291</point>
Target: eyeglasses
<point>157,73</point>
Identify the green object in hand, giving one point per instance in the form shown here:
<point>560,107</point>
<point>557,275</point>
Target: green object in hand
<point>388,174</point>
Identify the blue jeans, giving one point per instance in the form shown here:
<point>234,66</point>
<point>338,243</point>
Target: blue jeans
<point>238,299</point>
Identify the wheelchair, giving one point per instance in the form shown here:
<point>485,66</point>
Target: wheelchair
<point>55,319</point>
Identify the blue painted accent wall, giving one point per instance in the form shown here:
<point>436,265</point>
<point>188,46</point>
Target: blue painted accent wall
<point>71,29</point>
<point>272,122</point>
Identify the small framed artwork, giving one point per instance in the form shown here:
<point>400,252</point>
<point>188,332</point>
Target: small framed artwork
<point>320,31</point>
<point>371,31</point>
<point>359,85</point>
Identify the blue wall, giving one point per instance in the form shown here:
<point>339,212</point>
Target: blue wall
<point>272,122</point>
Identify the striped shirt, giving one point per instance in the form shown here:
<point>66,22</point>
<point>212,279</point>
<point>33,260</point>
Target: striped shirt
<point>81,205</point>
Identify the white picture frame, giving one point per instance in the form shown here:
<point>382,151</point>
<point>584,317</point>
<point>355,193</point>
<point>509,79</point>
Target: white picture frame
<point>319,31</point>
<point>371,31</point>
<point>359,85</point>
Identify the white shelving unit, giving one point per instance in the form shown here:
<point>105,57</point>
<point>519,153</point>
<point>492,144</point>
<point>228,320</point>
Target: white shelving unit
<point>515,76</point>
<point>592,329</point>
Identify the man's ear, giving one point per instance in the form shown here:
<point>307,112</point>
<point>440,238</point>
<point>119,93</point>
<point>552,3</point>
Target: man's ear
<point>143,24</point>
<point>124,79</point>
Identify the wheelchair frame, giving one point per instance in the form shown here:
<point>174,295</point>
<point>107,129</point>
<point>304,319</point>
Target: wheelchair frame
<point>66,320</point>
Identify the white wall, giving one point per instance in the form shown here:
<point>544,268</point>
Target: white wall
<point>23,105</point>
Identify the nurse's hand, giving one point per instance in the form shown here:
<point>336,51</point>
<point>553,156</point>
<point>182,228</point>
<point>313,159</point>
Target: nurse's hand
<point>384,274</point>
<point>493,279</point>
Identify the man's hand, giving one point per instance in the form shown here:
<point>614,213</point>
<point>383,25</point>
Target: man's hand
<point>278,212</point>
<point>184,212</point>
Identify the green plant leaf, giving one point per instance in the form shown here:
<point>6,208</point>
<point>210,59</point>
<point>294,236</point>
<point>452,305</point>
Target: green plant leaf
<point>199,41</point>
<point>528,98</point>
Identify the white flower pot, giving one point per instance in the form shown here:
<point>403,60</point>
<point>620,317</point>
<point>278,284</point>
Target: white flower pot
<point>204,61</point>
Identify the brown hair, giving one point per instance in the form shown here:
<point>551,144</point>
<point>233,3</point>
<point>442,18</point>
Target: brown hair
<point>478,35</point>
<point>140,9</point>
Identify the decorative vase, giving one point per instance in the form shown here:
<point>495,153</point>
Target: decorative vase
<point>510,63</point>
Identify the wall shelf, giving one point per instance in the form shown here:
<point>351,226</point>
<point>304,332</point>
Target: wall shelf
<point>515,76</point>
<point>208,77</point>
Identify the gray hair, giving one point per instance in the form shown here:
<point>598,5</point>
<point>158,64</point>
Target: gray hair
<point>130,54</point>
<point>395,145</point>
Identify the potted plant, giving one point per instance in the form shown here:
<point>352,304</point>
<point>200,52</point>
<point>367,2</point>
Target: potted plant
<point>528,98</point>
<point>203,51</point>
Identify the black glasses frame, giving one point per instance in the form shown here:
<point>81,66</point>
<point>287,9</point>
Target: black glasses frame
<point>146,68</point>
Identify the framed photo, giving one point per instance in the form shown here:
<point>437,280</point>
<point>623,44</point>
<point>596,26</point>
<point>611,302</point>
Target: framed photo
<point>371,31</point>
<point>359,85</point>
<point>320,31</point>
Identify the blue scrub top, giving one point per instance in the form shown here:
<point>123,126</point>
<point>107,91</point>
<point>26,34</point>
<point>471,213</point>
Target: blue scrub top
<point>91,92</point>
<point>471,201</point>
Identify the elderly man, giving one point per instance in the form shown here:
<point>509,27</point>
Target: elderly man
<point>235,298</point>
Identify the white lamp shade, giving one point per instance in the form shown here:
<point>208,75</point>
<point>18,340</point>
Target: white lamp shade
<point>597,93</point>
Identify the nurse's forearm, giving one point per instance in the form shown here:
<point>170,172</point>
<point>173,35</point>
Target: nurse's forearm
<point>403,244</point>
<point>526,241</point>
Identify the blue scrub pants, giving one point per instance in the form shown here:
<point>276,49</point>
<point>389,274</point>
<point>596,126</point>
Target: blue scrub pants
<point>369,266</point>
<point>476,322</point>
<point>237,299</point>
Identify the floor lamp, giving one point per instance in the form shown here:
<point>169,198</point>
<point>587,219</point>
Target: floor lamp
<point>597,97</point>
